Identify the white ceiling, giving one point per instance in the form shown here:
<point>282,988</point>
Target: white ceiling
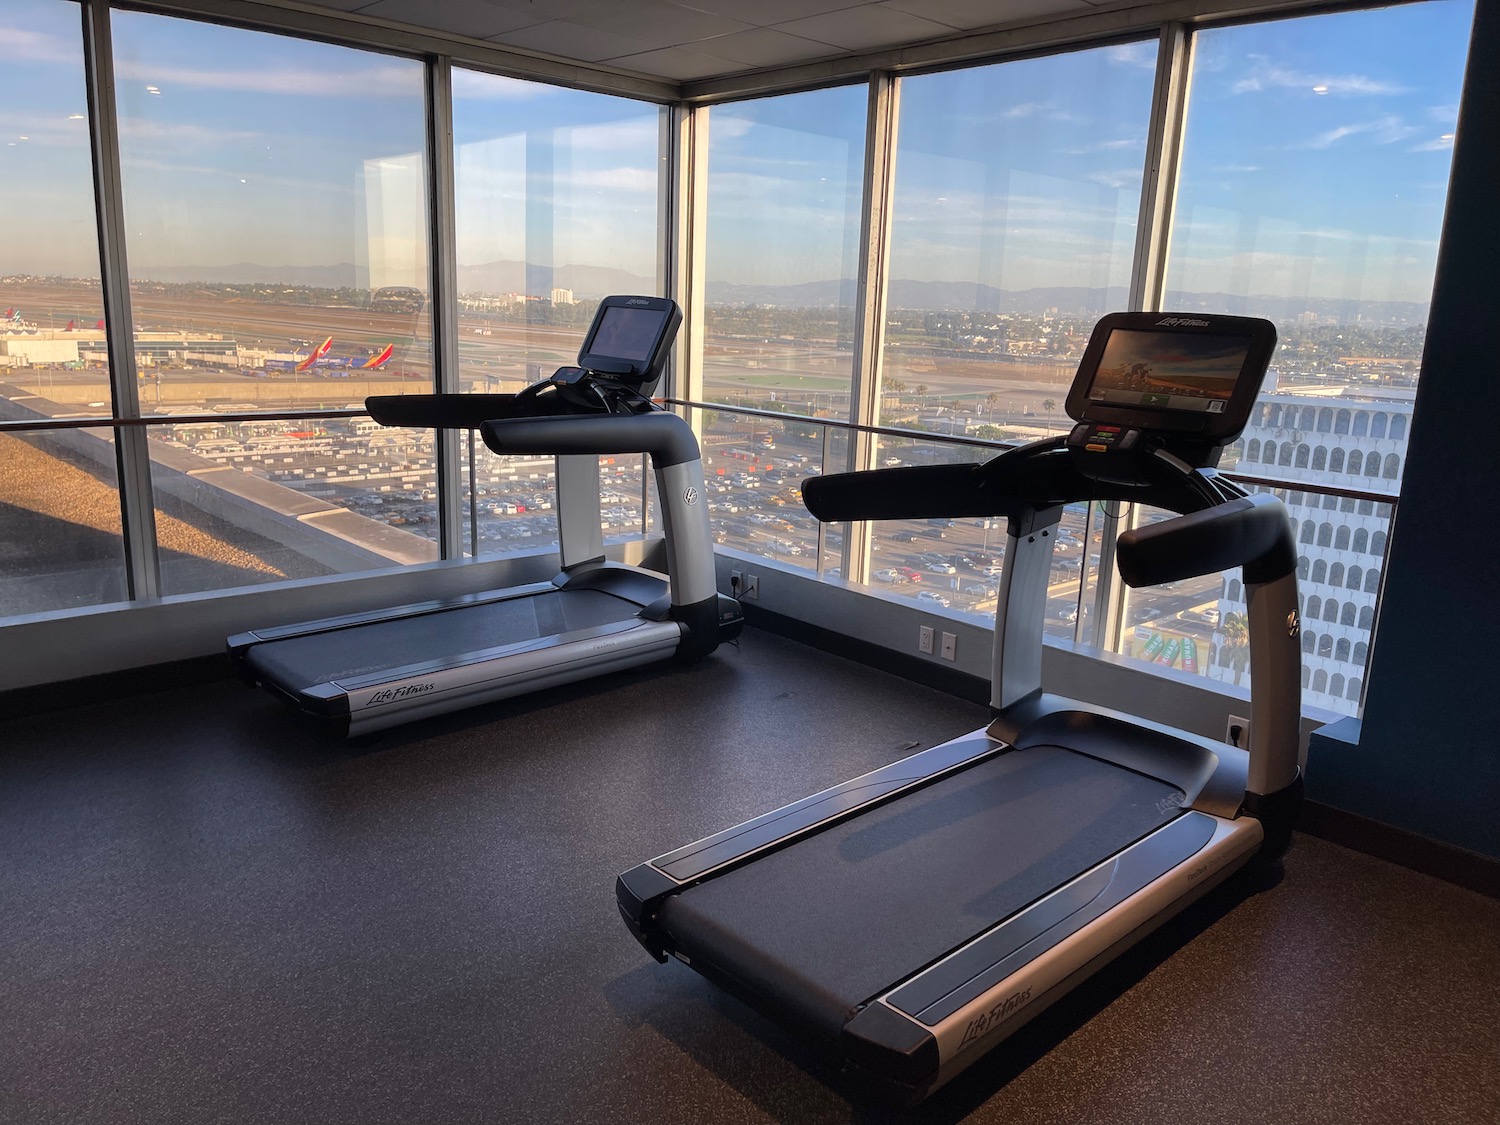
<point>689,40</point>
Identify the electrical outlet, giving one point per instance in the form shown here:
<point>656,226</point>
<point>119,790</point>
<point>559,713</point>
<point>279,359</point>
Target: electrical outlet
<point>1238,726</point>
<point>736,584</point>
<point>950,647</point>
<point>924,639</point>
<point>752,587</point>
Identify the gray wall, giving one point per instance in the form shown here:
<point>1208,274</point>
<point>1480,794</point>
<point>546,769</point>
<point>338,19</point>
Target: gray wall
<point>1427,755</point>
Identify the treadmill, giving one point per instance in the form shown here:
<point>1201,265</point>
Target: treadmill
<point>915,917</point>
<point>364,672</point>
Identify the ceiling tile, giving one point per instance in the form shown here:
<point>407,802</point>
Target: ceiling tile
<point>474,18</point>
<point>677,63</point>
<point>659,21</point>
<point>767,12</point>
<point>340,5</point>
<point>968,15</point>
<point>585,44</point>
<point>865,28</point>
<point>763,46</point>
<point>558,9</point>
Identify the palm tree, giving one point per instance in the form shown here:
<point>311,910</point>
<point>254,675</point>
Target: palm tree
<point>1049,405</point>
<point>1236,651</point>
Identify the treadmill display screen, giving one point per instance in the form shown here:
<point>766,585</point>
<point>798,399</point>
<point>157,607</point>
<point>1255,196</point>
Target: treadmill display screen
<point>1169,371</point>
<point>626,333</point>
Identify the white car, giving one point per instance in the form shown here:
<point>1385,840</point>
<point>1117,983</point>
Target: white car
<point>932,597</point>
<point>942,568</point>
<point>980,590</point>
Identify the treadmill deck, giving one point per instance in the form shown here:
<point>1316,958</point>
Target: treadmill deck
<point>838,917</point>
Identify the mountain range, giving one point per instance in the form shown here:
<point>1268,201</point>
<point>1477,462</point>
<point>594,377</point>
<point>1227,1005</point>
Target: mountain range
<point>598,281</point>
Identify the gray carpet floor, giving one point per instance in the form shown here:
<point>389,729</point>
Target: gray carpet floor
<point>210,913</point>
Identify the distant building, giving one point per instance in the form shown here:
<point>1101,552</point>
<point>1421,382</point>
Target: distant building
<point>1342,437</point>
<point>563,297</point>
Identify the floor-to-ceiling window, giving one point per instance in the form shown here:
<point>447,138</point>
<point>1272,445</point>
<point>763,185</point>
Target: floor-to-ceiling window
<point>785,198</point>
<point>60,539</point>
<point>557,204</point>
<point>276,229</point>
<point>1313,178</point>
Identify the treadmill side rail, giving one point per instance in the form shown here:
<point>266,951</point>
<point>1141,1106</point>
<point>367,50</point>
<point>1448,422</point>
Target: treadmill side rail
<point>781,826</point>
<point>505,672</point>
<point>1043,969</point>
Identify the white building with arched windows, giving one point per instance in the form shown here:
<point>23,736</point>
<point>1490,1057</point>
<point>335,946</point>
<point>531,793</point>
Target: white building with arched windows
<point>1341,437</point>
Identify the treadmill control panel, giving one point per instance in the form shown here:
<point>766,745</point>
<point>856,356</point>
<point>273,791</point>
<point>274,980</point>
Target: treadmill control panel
<point>629,340</point>
<point>1168,379</point>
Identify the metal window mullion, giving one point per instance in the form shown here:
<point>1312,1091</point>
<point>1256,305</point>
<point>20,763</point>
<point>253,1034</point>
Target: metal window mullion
<point>881,119</point>
<point>1147,281</point>
<point>443,266</point>
<point>132,451</point>
<point>683,194</point>
<point>1163,158</point>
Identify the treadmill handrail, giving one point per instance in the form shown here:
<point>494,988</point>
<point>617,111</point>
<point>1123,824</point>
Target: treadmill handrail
<point>440,411</point>
<point>666,437</point>
<point>1251,532</point>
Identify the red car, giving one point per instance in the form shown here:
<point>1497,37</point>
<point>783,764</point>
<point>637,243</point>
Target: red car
<point>909,574</point>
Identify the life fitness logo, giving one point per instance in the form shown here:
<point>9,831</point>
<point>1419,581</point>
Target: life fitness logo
<point>690,495</point>
<point>1181,322</point>
<point>637,301</point>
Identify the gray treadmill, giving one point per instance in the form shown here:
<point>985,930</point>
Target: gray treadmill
<point>364,672</point>
<point>916,916</point>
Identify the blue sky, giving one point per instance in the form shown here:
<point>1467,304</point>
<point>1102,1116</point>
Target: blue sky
<point>1316,160</point>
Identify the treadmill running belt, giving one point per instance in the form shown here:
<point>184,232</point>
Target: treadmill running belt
<point>298,663</point>
<point>836,918</point>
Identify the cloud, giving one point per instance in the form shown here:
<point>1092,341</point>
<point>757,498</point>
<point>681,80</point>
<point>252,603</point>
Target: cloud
<point>1383,131</point>
<point>641,180</point>
<point>1142,55</point>
<point>18,45</point>
<point>1442,144</point>
<point>1115,178</point>
<point>477,86</point>
<point>1123,144</point>
<point>1266,75</point>
<point>388,80</point>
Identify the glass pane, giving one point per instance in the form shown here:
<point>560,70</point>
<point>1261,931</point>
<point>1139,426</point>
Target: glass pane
<point>60,541</point>
<point>1175,624</point>
<point>557,206</point>
<point>242,503</point>
<point>516,501</point>
<point>785,179</point>
<point>51,306</point>
<point>276,217</point>
<point>1017,194</point>
<point>944,563</point>
<point>1313,179</point>
<point>754,468</point>
<point>1341,552</point>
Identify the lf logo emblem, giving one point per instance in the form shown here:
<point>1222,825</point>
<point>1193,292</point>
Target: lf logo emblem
<point>690,496</point>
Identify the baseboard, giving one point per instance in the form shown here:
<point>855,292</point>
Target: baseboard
<point>1460,866</point>
<point>928,673</point>
<point>63,695</point>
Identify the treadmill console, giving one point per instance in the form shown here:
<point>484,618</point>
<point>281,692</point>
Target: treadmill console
<point>629,340</point>
<point>1173,381</point>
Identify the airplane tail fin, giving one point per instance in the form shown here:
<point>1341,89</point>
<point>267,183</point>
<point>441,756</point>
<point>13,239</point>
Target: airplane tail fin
<point>317,353</point>
<point>380,359</point>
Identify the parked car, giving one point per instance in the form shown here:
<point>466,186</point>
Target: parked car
<point>942,568</point>
<point>932,597</point>
<point>980,590</point>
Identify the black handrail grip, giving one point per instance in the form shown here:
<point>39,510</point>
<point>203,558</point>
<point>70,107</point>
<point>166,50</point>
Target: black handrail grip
<point>1252,532</point>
